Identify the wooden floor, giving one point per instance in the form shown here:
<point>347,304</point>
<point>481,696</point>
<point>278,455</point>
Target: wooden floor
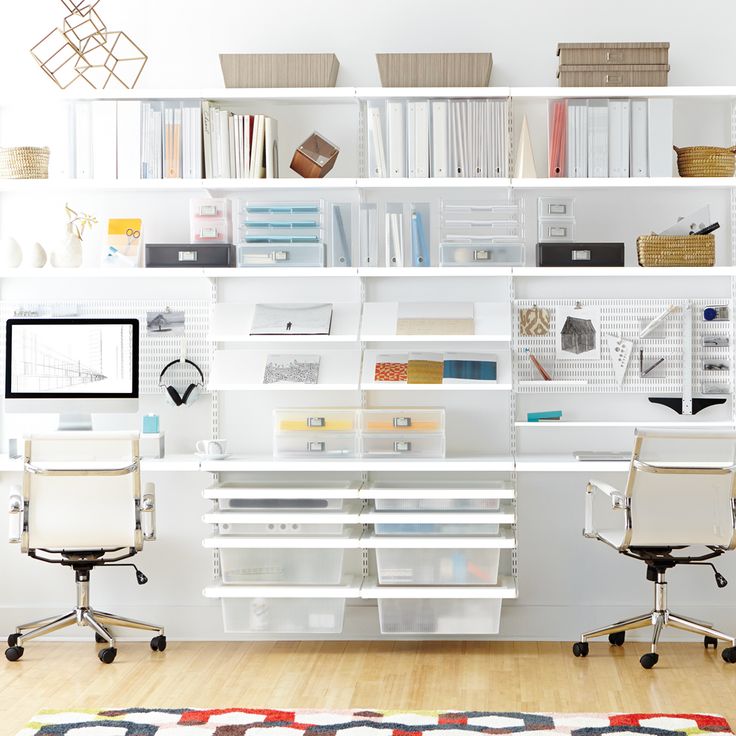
<point>406,675</point>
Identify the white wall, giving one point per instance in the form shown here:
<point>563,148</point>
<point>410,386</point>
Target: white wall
<point>183,37</point>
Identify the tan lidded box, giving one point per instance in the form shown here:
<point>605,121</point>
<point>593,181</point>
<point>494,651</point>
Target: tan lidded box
<point>613,53</point>
<point>615,75</point>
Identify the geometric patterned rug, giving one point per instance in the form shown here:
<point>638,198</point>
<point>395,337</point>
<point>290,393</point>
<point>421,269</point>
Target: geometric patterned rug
<point>302,722</point>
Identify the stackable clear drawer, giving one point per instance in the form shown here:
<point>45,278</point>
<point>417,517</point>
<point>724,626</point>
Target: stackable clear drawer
<point>405,421</point>
<point>481,254</point>
<point>315,444</point>
<point>287,219</point>
<point>281,504</point>
<point>314,420</point>
<point>439,615</point>
<point>437,504</point>
<point>437,566</point>
<point>283,615</point>
<point>282,566</point>
<point>441,530</point>
<point>403,445</point>
<point>286,529</point>
<point>435,496</point>
<point>283,255</point>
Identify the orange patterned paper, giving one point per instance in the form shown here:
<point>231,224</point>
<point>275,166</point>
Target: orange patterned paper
<point>391,372</point>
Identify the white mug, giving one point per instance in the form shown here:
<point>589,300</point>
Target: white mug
<point>211,448</point>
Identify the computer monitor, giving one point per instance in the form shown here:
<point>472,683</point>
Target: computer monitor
<point>73,367</point>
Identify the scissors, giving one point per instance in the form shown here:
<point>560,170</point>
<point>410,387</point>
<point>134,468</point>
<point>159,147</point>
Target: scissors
<point>132,235</point>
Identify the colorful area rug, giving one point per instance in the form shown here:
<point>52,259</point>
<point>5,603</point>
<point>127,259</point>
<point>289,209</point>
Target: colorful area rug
<point>254,722</point>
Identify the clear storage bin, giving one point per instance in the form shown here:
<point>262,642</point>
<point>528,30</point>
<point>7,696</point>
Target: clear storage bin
<point>437,504</point>
<point>283,566</point>
<point>211,231</point>
<point>307,255</point>
<point>437,566</point>
<point>315,444</point>
<point>403,445</point>
<point>280,528</point>
<point>480,495</point>
<point>282,504</point>
<point>446,530</point>
<point>283,615</point>
<point>439,615</point>
<point>403,420</point>
<point>481,254</point>
<point>210,220</point>
<point>314,420</point>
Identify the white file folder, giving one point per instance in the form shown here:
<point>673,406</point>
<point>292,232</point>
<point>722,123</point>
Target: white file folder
<point>639,156</point>
<point>396,127</point>
<point>440,152</point>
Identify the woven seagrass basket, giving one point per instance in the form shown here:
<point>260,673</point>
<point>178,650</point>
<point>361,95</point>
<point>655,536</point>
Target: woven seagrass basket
<point>24,162</point>
<point>676,250</point>
<point>706,161</point>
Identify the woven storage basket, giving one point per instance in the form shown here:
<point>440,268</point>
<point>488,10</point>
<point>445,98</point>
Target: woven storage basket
<point>676,250</point>
<point>24,162</point>
<point>706,161</point>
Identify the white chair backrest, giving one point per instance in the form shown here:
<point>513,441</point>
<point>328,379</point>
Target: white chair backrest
<point>84,507</point>
<point>681,486</point>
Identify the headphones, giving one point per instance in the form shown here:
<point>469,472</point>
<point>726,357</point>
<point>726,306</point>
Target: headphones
<point>191,392</point>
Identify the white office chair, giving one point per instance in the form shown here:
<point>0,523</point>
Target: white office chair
<point>681,492</point>
<point>82,508</point>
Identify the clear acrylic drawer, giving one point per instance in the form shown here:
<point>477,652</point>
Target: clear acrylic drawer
<point>211,231</point>
<point>403,445</point>
<point>283,566</point>
<point>314,420</point>
<point>281,212</point>
<point>437,566</point>
<point>315,444</point>
<point>290,529</point>
<point>446,530</point>
<point>402,420</point>
<point>283,615</point>
<point>439,615</point>
<point>481,254</point>
<point>281,504</point>
<point>437,504</point>
<point>283,255</point>
<point>418,495</point>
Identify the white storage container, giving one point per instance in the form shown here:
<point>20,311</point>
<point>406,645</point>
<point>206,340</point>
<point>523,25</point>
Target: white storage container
<point>315,444</point>
<point>403,445</point>
<point>283,615</point>
<point>437,566</point>
<point>282,255</point>
<point>437,496</point>
<point>282,528</point>
<point>439,615</point>
<point>404,420</point>
<point>440,530</point>
<point>314,420</point>
<point>481,254</point>
<point>282,566</point>
<point>437,504</point>
<point>281,504</point>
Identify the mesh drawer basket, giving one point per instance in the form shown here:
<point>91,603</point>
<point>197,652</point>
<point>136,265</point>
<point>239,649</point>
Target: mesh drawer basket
<point>705,161</point>
<point>24,162</point>
<point>676,250</point>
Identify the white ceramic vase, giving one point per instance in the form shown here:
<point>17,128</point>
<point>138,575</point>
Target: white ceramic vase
<point>11,256</point>
<point>69,252</point>
<point>36,256</point>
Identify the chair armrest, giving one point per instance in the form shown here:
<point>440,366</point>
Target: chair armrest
<point>148,512</point>
<point>618,501</point>
<point>16,512</point>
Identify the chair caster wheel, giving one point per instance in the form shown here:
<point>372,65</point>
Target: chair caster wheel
<point>107,656</point>
<point>13,639</point>
<point>13,654</point>
<point>158,643</point>
<point>580,648</point>
<point>729,655</point>
<point>648,660</point>
<point>100,640</point>
<point>617,639</point>
<point>710,641</point>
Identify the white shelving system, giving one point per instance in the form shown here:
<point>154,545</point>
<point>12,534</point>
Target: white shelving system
<point>490,443</point>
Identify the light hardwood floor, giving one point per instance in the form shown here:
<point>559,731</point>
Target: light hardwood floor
<point>407,675</point>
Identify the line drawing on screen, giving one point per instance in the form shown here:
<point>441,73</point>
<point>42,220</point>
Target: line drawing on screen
<point>86,359</point>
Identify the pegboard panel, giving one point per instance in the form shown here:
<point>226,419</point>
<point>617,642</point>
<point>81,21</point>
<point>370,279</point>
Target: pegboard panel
<point>155,350</point>
<point>624,319</point>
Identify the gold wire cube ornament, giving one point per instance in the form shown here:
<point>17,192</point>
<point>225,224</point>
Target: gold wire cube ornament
<point>84,48</point>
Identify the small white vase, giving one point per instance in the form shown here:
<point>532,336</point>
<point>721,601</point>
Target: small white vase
<point>11,256</point>
<point>68,254</point>
<point>36,256</point>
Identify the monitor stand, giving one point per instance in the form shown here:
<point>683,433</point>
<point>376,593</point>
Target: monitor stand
<point>75,422</point>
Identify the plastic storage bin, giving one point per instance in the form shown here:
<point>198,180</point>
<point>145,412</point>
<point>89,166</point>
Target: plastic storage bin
<point>283,615</point>
<point>481,254</point>
<point>404,445</point>
<point>306,255</point>
<point>439,615</point>
<point>315,444</point>
<point>447,530</point>
<point>402,420</point>
<point>281,504</point>
<point>210,220</point>
<point>281,528</point>
<point>420,495</point>
<point>437,504</point>
<point>314,420</point>
<point>437,566</point>
<point>282,566</point>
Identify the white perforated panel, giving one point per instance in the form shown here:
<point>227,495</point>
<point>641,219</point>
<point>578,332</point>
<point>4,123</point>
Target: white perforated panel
<point>155,350</point>
<point>625,319</point>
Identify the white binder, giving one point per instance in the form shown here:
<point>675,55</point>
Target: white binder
<point>619,112</point>
<point>639,156</point>
<point>440,152</point>
<point>376,147</point>
<point>421,139</point>
<point>598,138</point>
<point>659,125</point>
<point>396,127</point>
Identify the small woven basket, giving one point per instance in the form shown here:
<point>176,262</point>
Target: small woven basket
<point>676,250</point>
<point>706,161</point>
<point>24,162</point>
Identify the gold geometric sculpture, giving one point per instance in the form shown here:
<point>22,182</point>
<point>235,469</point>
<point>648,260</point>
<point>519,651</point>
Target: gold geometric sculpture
<point>83,48</point>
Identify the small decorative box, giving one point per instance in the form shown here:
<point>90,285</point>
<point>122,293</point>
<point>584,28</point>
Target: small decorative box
<point>315,157</point>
